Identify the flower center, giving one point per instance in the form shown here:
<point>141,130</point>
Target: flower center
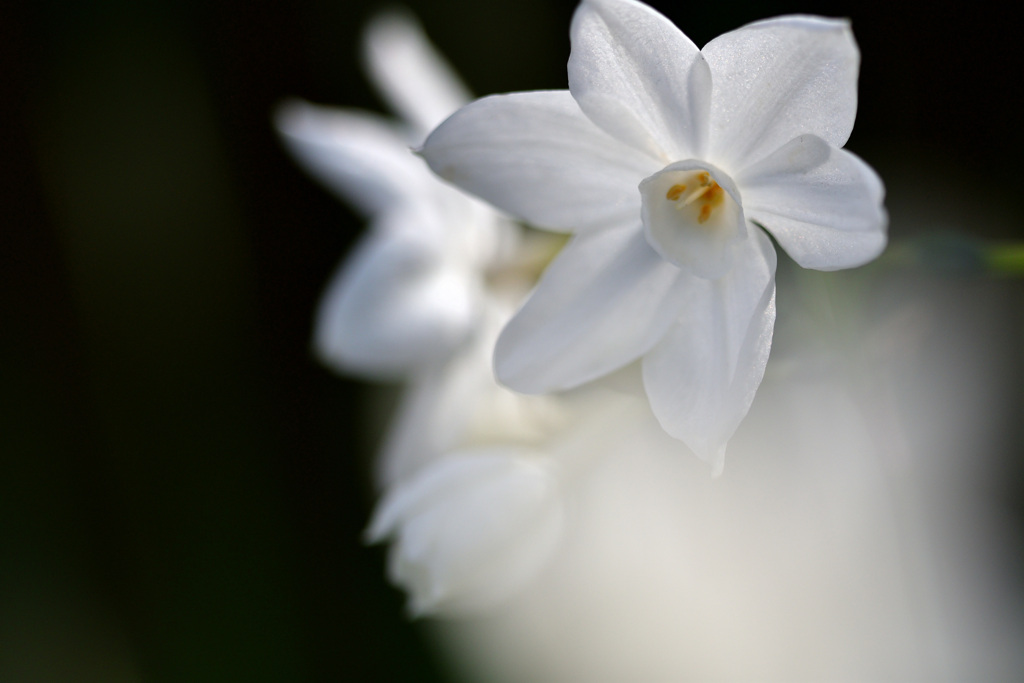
<point>699,194</point>
<point>692,216</point>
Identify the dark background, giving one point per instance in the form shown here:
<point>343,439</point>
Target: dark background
<point>182,488</point>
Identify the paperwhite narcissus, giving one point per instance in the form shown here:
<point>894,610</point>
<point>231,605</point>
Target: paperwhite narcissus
<point>666,162</point>
<point>411,290</point>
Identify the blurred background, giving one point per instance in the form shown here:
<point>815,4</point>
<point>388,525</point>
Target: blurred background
<point>182,488</point>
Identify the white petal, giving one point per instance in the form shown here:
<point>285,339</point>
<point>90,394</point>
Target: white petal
<point>470,529</point>
<point>776,79</point>
<point>362,158</point>
<point>701,379</point>
<point>637,76</point>
<point>426,423</point>
<point>536,156</point>
<point>416,81</point>
<point>393,306</point>
<point>822,204</point>
<point>602,303</point>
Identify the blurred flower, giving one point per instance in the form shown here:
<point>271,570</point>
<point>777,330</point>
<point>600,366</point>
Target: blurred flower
<point>471,499</point>
<point>411,290</point>
<point>721,141</point>
<point>470,529</point>
<point>475,476</point>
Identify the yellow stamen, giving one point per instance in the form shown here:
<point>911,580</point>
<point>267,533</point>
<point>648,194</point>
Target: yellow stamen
<point>706,193</point>
<point>674,192</point>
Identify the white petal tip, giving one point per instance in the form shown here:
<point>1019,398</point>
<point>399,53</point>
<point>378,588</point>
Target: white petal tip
<point>288,114</point>
<point>714,456</point>
<point>384,23</point>
<point>718,465</point>
<point>416,609</point>
<point>375,532</point>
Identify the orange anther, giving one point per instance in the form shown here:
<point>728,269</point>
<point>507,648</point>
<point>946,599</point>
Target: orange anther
<point>705,213</point>
<point>674,192</point>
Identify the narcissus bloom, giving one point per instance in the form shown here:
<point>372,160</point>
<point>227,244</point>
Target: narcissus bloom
<point>411,291</point>
<point>669,163</point>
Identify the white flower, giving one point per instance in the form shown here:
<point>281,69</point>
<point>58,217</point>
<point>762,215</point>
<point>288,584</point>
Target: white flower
<point>476,476</point>
<point>471,504</point>
<point>410,291</point>
<point>665,160</point>
<point>470,529</point>
<point>457,405</point>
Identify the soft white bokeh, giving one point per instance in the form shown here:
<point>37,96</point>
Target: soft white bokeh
<point>848,540</point>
